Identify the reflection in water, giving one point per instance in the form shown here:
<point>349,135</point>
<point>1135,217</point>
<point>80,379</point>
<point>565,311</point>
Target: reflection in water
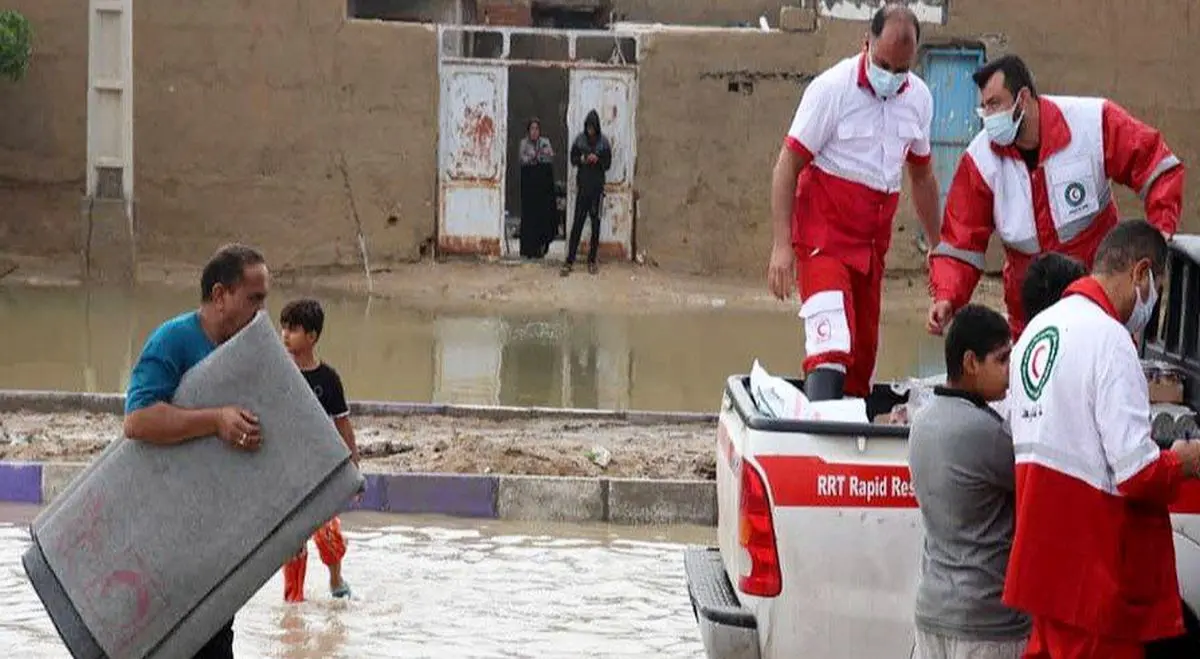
<point>85,340</point>
<point>450,590</point>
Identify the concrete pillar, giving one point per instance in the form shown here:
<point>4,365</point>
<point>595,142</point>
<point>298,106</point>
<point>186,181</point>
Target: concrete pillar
<point>109,251</point>
<point>107,210</point>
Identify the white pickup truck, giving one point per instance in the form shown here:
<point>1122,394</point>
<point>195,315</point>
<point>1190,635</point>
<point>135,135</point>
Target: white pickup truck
<point>818,530</point>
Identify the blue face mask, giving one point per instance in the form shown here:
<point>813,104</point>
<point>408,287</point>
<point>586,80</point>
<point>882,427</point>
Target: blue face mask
<point>1002,127</point>
<point>885,83</point>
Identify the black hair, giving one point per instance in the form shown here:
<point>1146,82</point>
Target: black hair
<point>305,313</point>
<point>1016,74</point>
<point>888,12</point>
<point>532,120</point>
<point>1047,279</point>
<point>227,267</point>
<point>1126,244</point>
<point>976,329</point>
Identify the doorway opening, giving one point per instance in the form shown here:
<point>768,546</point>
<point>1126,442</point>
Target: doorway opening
<point>486,99</point>
<point>540,92</point>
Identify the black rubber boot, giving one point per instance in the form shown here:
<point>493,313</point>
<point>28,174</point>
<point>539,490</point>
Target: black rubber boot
<point>824,384</point>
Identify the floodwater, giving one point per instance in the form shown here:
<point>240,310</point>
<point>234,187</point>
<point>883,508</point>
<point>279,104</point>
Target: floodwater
<point>445,588</point>
<point>80,340</point>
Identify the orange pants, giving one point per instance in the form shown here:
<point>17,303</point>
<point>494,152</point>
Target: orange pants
<point>840,307</point>
<point>331,546</point>
<point>1054,640</point>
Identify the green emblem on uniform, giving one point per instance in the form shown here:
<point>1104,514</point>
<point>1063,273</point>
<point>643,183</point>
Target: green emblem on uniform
<point>1038,361</point>
<point>1074,194</point>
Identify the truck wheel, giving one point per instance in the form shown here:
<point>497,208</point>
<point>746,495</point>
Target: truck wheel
<point>1187,645</point>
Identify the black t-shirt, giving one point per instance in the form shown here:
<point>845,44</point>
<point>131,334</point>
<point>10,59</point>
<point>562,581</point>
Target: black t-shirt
<point>327,386</point>
<point>1031,157</point>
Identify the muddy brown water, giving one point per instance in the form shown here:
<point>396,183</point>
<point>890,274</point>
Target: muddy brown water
<point>85,340</point>
<point>429,587</point>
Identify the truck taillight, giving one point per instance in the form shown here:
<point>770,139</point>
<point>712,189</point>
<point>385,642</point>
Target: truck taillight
<point>756,535</point>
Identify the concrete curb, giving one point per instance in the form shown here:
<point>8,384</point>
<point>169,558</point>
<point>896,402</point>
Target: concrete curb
<point>510,497</point>
<point>18,400</point>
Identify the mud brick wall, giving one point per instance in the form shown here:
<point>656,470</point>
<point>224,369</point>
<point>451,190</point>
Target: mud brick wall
<point>244,112</point>
<point>713,107</point>
<point>284,125</point>
<point>43,136</point>
<point>705,153</point>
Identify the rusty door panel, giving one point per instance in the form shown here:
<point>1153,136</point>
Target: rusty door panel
<point>612,93</point>
<point>472,127</point>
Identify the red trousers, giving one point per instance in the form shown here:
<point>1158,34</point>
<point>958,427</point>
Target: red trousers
<point>840,307</point>
<point>1054,640</point>
<point>331,546</point>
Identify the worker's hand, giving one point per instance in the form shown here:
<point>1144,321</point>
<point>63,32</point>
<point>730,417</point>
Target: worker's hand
<point>592,159</point>
<point>939,316</point>
<point>781,271</point>
<point>239,427</point>
<point>1188,451</point>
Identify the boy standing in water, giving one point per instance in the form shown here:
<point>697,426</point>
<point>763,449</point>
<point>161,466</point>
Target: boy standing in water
<point>302,322</point>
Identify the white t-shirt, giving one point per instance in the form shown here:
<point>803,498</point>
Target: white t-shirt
<point>854,134</point>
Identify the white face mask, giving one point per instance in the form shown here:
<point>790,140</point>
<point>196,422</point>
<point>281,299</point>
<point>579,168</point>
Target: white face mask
<point>885,83</point>
<point>1002,127</point>
<point>1143,310</point>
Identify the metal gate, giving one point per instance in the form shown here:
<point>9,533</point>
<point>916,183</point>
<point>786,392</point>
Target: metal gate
<point>473,64</point>
<point>472,137</point>
<point>613,95</point>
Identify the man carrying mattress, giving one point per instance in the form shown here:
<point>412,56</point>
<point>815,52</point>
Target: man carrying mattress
<point>233,288</point>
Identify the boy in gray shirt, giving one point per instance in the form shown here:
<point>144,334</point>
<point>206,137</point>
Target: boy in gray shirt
<point>961,457</point>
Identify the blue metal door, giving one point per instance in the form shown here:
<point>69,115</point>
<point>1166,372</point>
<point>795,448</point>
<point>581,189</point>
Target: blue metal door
<point>948,71</point>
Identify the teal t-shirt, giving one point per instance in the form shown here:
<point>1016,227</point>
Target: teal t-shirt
<point>170,351</point>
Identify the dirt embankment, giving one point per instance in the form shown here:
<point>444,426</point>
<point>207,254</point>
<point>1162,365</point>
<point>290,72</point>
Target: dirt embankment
<point>550,447</point>
<point>472,284</point>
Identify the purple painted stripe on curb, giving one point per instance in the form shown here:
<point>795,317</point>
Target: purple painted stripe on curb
<point>441,494</point>
<point>21,482</point>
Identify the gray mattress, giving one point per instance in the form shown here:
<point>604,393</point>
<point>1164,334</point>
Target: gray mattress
<point>151,550</point>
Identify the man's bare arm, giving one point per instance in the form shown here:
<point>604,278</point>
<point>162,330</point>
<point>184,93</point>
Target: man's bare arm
<point>780,271</point>
<point>783,195</point>
<point>346,430</point>
<point>925,199</point>
<point>165,424</point>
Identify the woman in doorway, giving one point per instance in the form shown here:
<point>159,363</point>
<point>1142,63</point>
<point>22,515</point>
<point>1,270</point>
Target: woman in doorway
<point>537,192</point>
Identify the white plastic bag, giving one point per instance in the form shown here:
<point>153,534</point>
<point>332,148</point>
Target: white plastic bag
<point>920,394</point>
<point>846,410</point>
<point>774,396</point>
<point>778,398</point>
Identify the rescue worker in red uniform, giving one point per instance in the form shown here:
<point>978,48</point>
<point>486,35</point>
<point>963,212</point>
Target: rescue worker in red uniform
<point>1038,175</point>
<point>1093,558</point>
<point>834,194</point>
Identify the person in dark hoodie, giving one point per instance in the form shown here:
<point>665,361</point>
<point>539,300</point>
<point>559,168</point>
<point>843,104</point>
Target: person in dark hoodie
<point>592,154</point>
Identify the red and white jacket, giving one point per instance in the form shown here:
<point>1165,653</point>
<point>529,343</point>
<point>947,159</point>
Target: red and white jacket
<point>857,145</point>
<point>1065,205</point>
<point>1093,545</point>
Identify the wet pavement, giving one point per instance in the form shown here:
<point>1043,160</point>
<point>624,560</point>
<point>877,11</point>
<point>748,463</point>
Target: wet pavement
<point>80,340</point>
<point>427,587</point>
